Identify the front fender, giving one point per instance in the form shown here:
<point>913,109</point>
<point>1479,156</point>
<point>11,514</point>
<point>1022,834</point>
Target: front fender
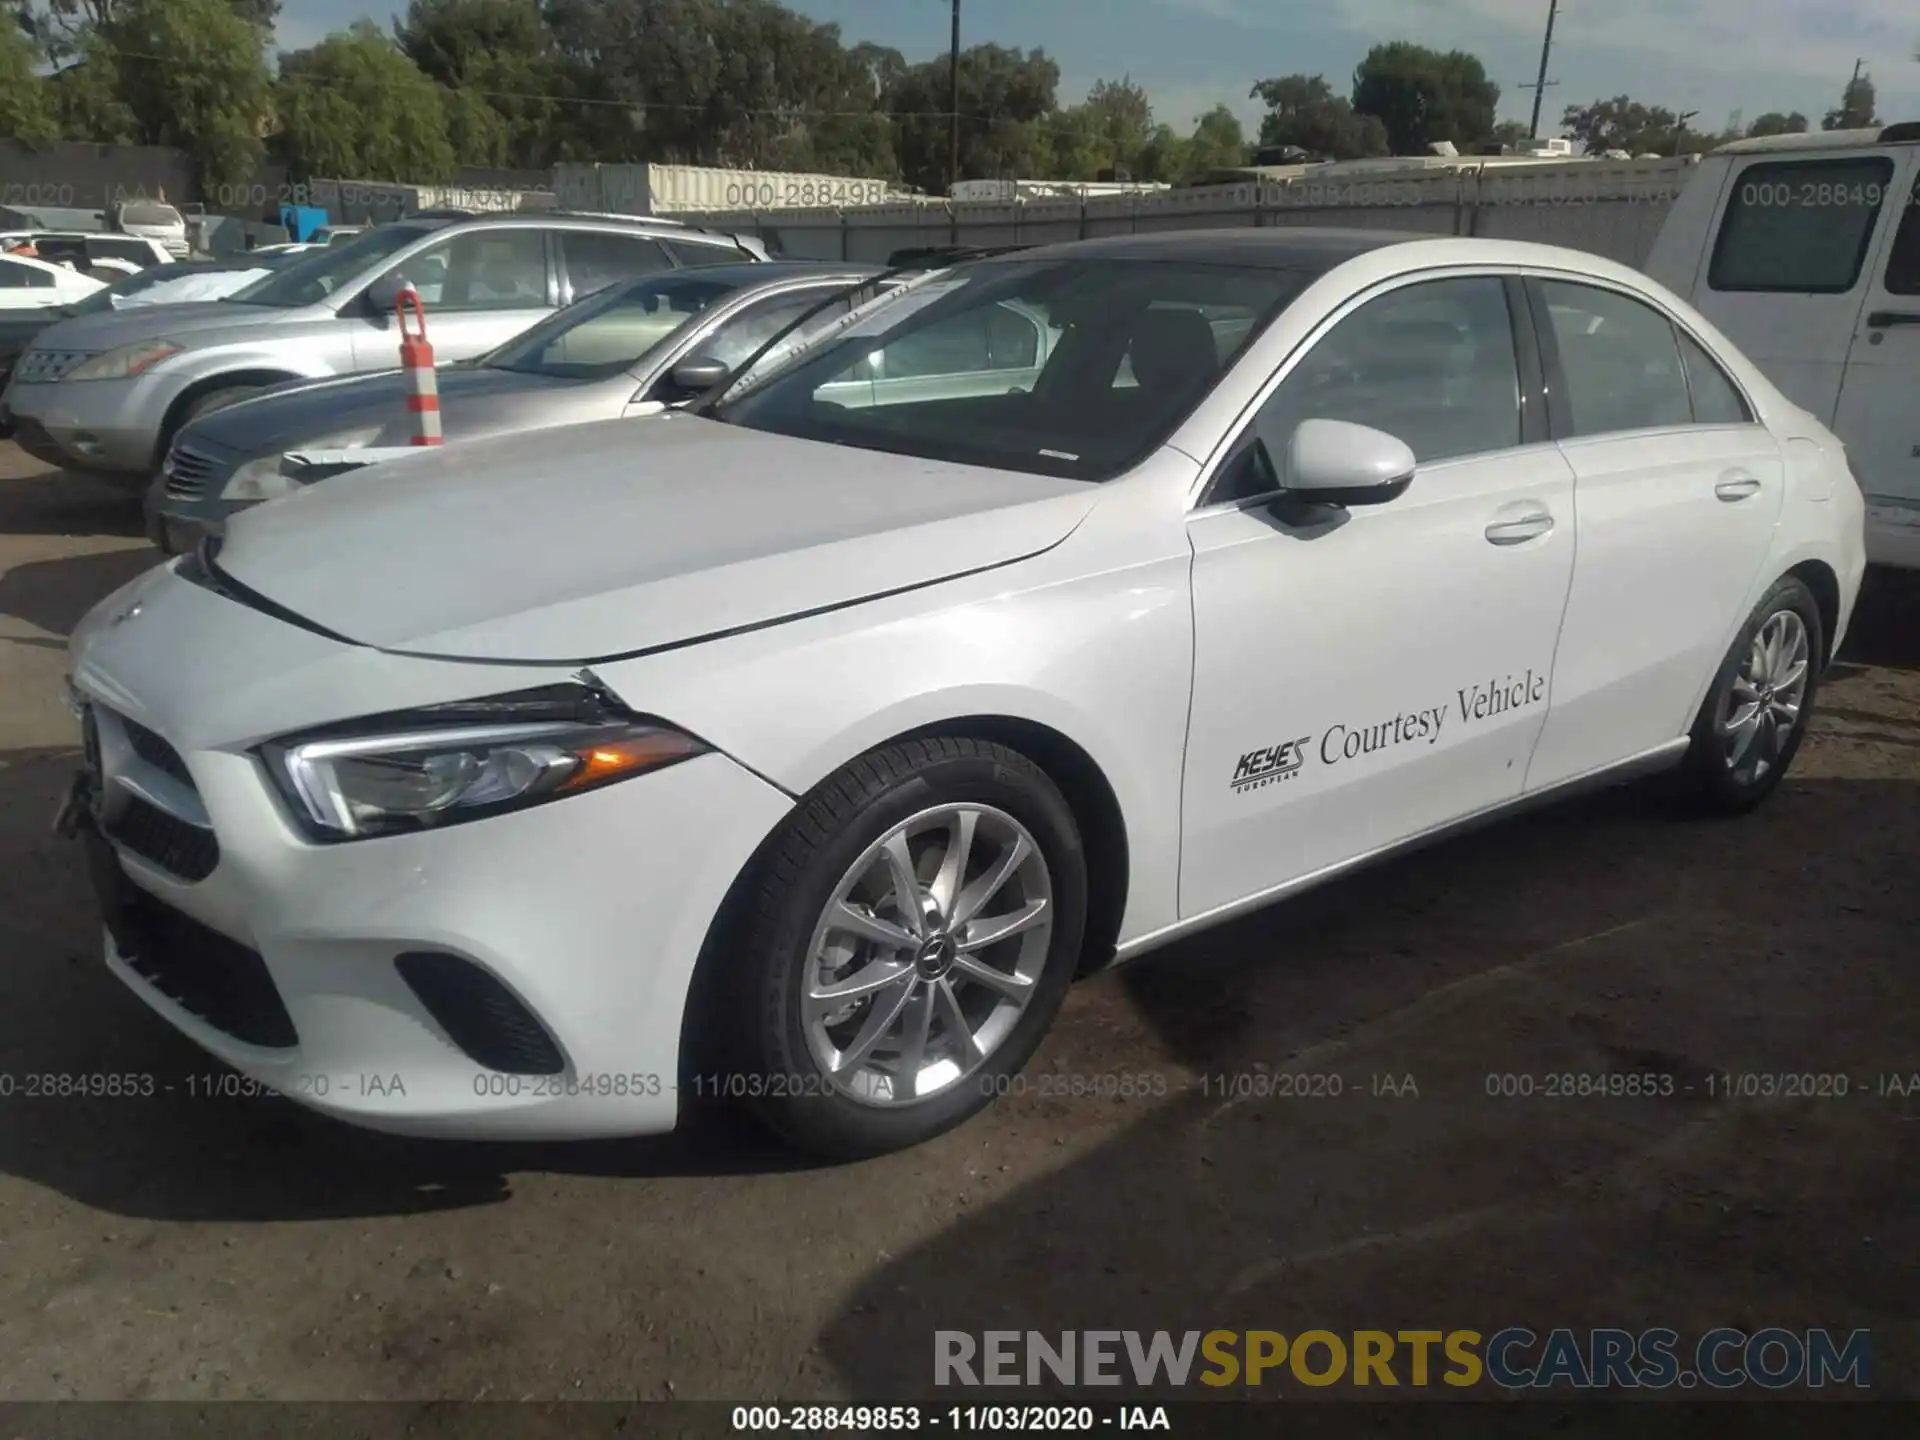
<point>1104,659</point>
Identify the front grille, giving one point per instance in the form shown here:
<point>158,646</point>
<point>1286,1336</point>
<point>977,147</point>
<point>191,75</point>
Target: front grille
<point>188,470</point>
<point>162,839</point>
<point>156,751</point>
<point>479,1014</point>
<point>43,367</point>
<point>219,980</point>
<point>90,741</point>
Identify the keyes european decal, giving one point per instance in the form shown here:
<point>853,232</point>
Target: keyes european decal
<point>1340,742</point>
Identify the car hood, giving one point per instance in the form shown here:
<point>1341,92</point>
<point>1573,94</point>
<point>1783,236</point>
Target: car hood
<point>473,403</point>
<point>579,545</point>
<point>113,328</point>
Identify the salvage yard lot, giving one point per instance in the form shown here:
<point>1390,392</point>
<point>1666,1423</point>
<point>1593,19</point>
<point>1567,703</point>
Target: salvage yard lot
<point>196,1245</point>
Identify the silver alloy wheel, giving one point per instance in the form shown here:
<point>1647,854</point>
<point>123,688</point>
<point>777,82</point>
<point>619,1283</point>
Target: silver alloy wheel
<point>927,954</point>
<point>1762,707</point>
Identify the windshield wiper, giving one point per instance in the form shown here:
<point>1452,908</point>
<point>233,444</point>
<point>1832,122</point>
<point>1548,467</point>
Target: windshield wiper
<point>707,404</point>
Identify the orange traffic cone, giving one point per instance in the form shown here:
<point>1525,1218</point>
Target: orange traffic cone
<point>416,361</point>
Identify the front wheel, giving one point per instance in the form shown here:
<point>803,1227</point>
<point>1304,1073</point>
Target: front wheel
<point>1750,726</point>
<point>916,927</point>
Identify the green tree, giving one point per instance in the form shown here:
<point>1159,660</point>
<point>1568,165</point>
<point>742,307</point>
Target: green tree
<point>183,73</point>
<point>1303,112</point>
<point>1775,123</point>
<point>1511,134</point>
<point>498,56</point>
<point>1219,142</point>
<point>354,108</point>
<point>26,101</point>
<point>1007,104</point>
<point>1424,96</point>
<point>1857,103</point>
<point>1624,124</point>
<point>1109,131</point>
<point>721,82</point>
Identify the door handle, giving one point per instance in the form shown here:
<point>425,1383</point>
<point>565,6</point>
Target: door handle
<point>1736,485</point>
<point>1520,529</point>
<point>1887,319</point>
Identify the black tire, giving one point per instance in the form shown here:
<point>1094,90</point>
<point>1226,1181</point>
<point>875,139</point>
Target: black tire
<point>219,400</point>
<point>202,405</point>
<point>1713,781</point>
<point>771,1066</point>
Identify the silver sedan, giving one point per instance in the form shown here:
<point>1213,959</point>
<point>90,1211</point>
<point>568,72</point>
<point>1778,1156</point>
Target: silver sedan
<point>620,352</point>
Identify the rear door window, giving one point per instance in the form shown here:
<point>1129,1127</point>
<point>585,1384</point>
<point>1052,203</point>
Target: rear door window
<point>1621,360</point>
<point>596,259</point>
<point>1800,227</point>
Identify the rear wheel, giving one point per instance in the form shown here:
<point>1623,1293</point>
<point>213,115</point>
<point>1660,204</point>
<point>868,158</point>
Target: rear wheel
<point>1750,726</point>
<point>916,928</point>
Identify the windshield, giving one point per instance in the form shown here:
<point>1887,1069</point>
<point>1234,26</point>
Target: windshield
<point>147,213</point>
<point>610,331</point>
<point>313,275</point>
<point>1075,368</point>
<point>128,285</point>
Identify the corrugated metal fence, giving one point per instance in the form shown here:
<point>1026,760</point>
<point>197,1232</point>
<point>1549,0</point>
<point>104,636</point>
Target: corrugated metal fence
<point>1613,209</point>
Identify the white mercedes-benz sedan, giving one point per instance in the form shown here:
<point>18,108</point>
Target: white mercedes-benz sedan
<point>1063,605</point>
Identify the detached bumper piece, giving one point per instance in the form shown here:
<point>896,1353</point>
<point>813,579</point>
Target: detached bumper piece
<point>480,1015</point>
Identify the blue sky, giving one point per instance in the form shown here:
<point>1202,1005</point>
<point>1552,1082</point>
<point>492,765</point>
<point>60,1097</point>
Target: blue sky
<point>1714,56</point>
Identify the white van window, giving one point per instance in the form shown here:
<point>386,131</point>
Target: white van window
<point>1903,265</point>
<point>1801,226</point>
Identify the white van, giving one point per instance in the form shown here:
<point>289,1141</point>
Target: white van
<point>1805,251</point>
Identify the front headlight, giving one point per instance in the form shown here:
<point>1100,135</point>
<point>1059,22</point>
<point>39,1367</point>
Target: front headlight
<point>265,478</point>
<point>452,763</point>
<point>125,362</point>
<point>258,480</point>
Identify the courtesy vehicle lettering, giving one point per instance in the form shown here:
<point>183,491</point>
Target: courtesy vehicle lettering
<point>1496,697</point>
<point>1347,742</point>
<point>1480,701</point>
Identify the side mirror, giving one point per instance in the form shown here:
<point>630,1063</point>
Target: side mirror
<point>1334,462</point>
<point>698,374</point>
<point>383,294</point>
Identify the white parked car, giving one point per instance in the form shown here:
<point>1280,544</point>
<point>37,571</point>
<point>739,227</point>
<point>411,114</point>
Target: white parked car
<point>806,753</point>
<point>29,284</point>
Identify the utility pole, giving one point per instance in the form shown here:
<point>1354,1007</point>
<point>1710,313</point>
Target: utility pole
<point>953,98</point>
<point>1540,87</point>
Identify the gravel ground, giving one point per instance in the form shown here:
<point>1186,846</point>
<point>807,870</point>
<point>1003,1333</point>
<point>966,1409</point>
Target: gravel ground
<point>195,1248</point>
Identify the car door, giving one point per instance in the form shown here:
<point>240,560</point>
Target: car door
<point>591,260</point>
<point>1876,416</point>
<point>479,289</point>
<point>1364,679</point>
<point>1785,280</point>
<point>1678,489</point>
<point>733,336</point>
